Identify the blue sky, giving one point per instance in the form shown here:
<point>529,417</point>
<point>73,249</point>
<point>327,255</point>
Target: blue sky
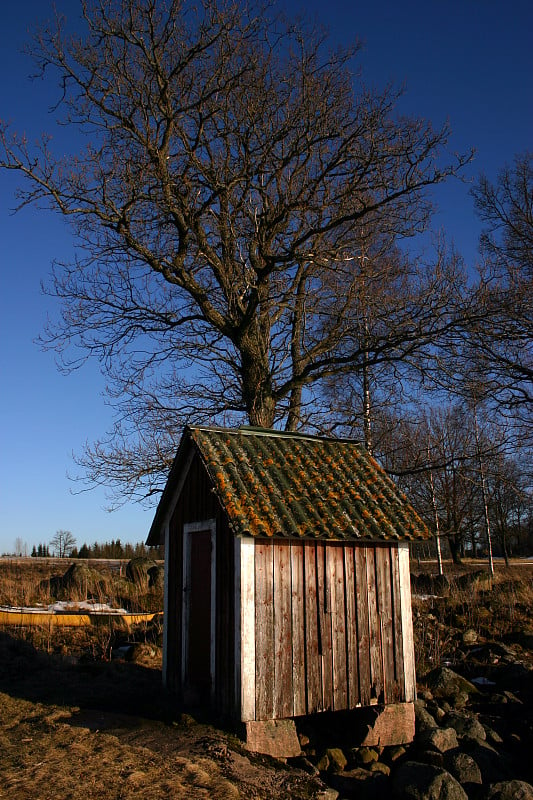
<point>466,61</point>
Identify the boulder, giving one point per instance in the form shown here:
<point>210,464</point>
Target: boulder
<point>493,766</point>
<point>138,570</point>
<point>463,768</point>
<point>423,719</point>
<point>416,781</point>
<point>510,790</point>
<point>470,636</point>
<point>336,758</point>
<point>465,725</point>
<point>379,766</point>
<point>440,739</point>
<point>365,755</point>
<point>156,577</point>
<point>445,683</point>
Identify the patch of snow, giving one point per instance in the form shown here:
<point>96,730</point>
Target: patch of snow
<point>68,607</point>
<point>482,681</point>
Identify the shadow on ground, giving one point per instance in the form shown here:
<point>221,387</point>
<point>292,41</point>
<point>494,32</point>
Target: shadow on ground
<point>117,686</point>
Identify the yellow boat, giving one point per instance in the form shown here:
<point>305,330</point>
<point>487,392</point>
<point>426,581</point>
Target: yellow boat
<point>32,617</point>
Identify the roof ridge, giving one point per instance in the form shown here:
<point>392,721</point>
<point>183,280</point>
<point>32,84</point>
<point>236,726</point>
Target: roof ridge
<point>256,430</point>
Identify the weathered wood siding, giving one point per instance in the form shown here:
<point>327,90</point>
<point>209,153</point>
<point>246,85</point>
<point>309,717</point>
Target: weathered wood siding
<point>197,503</point>
<point>330,624</point>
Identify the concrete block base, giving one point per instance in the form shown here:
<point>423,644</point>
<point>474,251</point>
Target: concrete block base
<point>393,725</point>
<point>273,737</point>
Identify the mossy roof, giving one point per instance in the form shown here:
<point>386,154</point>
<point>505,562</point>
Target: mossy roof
<point>273,484</point>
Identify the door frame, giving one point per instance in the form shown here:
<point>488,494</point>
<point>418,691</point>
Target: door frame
<point>189,530</point>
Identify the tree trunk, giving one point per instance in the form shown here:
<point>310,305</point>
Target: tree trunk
<point>455,549</point>
<point>295,408</point>
<point>256,381</point>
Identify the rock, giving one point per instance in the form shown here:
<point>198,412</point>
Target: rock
<point>416,781</point>
<point>79,582</point>
<point>365,755</point>
<point>156,577</point>
<point>138,569</point>
<point>511,790</point>
<point>463,768</point>
<point>323,763</point>
<point>435,710</point>
<point>512,698</point>
<point>440,739</point>
<point>470,636</point>
<point>460,700</point>
<point>394,753</point>
<point>143,653</point>
<point>493,767</point>
<point>423,719</point>
<point>379,766</point>
<point>493,736</point>
<point>445,683</point>
<point>465,725</point>
<point>337,759</point>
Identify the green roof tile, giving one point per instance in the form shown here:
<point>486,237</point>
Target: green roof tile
<point>292,485</point>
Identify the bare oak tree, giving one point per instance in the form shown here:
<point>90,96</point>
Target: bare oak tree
<point>62,543</point>
<point>231,162</point>
<point>500,339</point>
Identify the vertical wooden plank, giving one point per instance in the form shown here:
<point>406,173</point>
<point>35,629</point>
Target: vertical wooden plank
<point>351,628</point>
<point>324,621</point>
<point>376,665</point>
<point>247,612</point>
<point>313,671</point>
<point>335,562</point>
<point>283,689</point>
<point>264,629</point>
<point>383,577</point>
<point>298,628</point>
<point>399,673</point>
<point>363,635</point>
<point>407,623</point>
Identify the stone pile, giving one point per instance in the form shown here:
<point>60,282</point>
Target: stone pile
<point>471,743</point>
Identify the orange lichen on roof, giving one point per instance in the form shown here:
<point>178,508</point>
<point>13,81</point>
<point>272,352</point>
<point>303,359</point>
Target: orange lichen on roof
<point>273,484</point>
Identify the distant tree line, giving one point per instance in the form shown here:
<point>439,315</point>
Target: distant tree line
<point>65,547</point>
<point>115,549</point>
<point>41,551</point>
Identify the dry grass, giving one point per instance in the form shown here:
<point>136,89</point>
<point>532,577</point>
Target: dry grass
<point>39,582</point>
<point>496,609</point>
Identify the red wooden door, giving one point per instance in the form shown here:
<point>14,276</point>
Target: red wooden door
<point>198,621</point>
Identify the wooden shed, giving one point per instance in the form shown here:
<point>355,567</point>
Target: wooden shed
<point>287,587</point>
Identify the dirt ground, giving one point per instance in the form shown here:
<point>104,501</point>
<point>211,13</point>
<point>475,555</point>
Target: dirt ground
<point>108,731</point>
<point>78,724</point>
